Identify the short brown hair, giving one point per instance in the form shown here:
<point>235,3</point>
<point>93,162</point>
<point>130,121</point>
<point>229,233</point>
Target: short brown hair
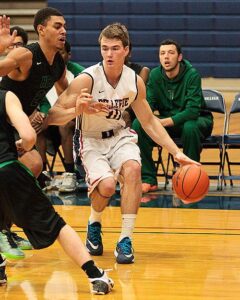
<point>115,31</point>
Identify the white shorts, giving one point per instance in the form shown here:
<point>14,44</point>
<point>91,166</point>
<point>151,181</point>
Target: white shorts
<point>104,158</point>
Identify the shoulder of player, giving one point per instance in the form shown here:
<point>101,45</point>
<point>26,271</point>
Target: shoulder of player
<point>21,59</point>
<point>140,81</point>
<point>18,53</point>
<point>11,101</point>
<point>83,80</point>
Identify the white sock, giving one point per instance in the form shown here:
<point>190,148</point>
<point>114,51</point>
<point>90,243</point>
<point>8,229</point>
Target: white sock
<point>95,216</point>
<point>128,223</point>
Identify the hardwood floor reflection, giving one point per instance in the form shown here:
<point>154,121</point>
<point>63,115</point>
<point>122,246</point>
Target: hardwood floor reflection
<point>180,254</point>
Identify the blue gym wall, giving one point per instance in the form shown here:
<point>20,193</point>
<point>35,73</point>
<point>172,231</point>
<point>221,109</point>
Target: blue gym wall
<point>209,31</point>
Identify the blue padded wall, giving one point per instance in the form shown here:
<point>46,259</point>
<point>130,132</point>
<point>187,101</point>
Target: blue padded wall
<point>209,31</point>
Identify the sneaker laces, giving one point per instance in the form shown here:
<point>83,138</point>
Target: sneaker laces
<point>6,236</point>
<point>125,245</point>
<point>95,234</point>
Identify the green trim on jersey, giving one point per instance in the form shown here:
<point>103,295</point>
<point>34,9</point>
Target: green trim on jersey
<point>5,163</point>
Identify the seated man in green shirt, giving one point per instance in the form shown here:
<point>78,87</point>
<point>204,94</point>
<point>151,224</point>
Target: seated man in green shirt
<point>174,91</point>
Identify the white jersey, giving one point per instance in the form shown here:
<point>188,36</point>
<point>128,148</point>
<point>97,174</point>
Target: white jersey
<point>118,99</point>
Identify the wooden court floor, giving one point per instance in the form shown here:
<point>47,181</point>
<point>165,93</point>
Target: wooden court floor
<point>180,254</point>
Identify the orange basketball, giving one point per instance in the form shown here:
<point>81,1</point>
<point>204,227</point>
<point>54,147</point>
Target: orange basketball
<point>190,183</point>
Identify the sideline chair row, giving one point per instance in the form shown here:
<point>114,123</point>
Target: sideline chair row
<point>222,142</point>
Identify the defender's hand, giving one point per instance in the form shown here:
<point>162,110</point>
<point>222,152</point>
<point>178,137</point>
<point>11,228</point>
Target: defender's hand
<point>6,39</point>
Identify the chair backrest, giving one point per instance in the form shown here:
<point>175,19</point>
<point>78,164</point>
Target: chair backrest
<point>215,101</point>
<point>235,108</point>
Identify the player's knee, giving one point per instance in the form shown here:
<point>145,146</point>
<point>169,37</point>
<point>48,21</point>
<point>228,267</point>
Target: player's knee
<point>131,171</point>
<point>37,168</point>
<point>190,125</point>
<point>107,187</point>
<point>33,161</point>
<point>190,129</point>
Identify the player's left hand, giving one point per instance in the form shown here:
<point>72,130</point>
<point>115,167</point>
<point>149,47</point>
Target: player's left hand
<point>183,159</point>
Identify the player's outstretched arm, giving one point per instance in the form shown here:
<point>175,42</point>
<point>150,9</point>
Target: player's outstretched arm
<point>19,58</point>
<point>153,127</point>
<point>21,122</point>
<point>74,101</point>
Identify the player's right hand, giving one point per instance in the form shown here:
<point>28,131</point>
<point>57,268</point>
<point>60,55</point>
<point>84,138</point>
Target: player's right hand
<point>183,159</point>
<point>85,104</point>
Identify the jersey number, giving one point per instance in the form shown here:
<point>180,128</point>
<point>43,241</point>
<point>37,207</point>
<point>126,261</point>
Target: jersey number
<point>115,114</point>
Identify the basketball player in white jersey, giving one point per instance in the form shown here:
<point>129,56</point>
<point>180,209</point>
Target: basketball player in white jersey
<point>108,150</point>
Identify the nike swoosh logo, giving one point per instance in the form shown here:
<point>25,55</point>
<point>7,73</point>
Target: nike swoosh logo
<point>101,92</point>
<point>93,246</point>
<point>39,63</point>
<point>128,255</point>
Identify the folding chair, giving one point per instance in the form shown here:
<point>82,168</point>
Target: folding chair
<point>53,147</point>
<point>215,103</point>
<point>232,140</point>
<point>161,172</point>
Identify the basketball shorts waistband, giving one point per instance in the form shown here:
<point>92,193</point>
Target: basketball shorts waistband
<point>102,135</point>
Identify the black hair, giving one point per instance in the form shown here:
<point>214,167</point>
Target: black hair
<point>172,42</point>
<point>44,15</point>
<point>20,32</point>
